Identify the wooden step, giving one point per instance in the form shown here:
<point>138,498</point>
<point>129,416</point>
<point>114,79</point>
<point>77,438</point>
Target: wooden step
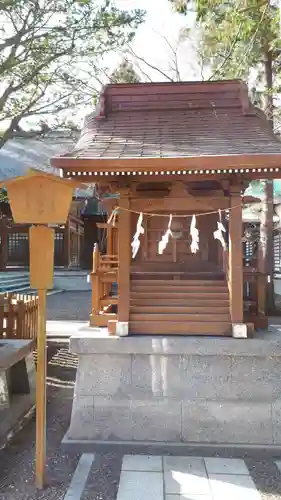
<point>177,288</point>
<point>176,282</point>
<point>190,302</point>
<point>183,318</point>
<point>178,309</point>
<point>108,277</point>
<point>109,300</point>
<point>204,296</point>
<point>190,328</point>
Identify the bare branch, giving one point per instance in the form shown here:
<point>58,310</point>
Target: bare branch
<point>151,66</point>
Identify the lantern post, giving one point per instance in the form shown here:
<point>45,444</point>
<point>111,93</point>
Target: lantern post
<point>41,200</point>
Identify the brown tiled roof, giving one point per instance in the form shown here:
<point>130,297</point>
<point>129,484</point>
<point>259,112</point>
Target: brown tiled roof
<point>171,120</point>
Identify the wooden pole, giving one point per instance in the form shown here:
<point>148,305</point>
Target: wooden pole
<point>41,392</point>
<point>41,252</point>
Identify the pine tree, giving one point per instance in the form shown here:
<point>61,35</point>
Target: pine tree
<point>125,73</point>
<point>45,47</point>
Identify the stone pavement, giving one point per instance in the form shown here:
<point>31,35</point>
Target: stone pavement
<point>175,478</point>
<point>69,306</point>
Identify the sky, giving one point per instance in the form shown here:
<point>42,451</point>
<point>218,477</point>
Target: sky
<point>149,43</point>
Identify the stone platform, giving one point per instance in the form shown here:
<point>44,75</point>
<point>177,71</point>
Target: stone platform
<point>17,382</point>
<point>176,390</point>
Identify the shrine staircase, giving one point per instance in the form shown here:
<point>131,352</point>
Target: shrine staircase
<point>180,306</point>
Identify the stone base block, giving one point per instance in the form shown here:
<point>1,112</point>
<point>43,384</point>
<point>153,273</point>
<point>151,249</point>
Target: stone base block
<point>152,390</point>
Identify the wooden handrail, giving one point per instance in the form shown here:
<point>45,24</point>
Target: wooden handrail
<point>96,258</point>
<point>257,287</point>
<point>104,273</point>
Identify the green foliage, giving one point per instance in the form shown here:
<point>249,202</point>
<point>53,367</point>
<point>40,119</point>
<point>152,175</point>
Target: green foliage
<point>125,73</point>
<point>50,51</point>
<point>241,39</point>
<point>3,196</point>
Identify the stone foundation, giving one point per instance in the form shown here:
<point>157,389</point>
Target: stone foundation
<point>176,390</point>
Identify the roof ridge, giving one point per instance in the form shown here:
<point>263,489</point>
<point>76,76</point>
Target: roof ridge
<point>168,95</point>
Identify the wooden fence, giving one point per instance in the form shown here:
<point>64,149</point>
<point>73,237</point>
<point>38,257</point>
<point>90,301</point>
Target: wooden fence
<point>18,316</point>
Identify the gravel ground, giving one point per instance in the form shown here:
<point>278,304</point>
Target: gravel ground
<point>67,306</point>
<point>17,460</point>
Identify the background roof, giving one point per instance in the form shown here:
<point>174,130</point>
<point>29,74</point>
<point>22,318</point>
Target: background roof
<point>18,155</point>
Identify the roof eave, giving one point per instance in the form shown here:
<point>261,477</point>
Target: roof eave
<point>168,164</point>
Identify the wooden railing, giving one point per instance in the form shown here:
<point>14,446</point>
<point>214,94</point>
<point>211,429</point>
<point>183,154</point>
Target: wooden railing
<point>18,316</point>
<point>254,286</point>
<point>254,297</point>
<point>104,274</point>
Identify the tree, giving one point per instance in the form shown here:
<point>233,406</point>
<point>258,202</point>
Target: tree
<point>242,41</point>
<point>125,73</point>
<point>47,49</point>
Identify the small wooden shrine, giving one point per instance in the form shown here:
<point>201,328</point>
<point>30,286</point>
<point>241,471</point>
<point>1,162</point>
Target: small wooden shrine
<point>180,156</point>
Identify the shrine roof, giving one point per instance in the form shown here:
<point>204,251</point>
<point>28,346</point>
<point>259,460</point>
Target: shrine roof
<point>173,120</point>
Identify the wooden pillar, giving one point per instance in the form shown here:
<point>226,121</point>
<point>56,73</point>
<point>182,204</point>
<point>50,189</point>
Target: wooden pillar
<point>66,243</point>
<point>4,243</point>
<point>95,282</point>
<point>124,257</point>
<point>263,271</point>
<point>265,255</point>
<point>109,246</point>
<point>235,258</point>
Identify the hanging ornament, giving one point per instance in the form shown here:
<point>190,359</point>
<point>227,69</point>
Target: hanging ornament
<point>165,238</point>
<point>112,218</point>
<point>136,239</point>
<point>219,233</point>
<point>194,247</point>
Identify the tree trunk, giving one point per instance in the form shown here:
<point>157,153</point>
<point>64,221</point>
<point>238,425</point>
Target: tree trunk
<point>266,227</point>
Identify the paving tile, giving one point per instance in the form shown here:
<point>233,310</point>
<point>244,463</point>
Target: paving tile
<point>234,466</point>
<point>145,463</point>
<point>278,463</point>
<point>185,475</point>
<point>188,496</point>
<point>188,464</point>
<point>140,486</point>
<point>231,487</point>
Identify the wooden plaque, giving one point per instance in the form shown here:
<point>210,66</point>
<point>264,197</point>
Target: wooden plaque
<point>41,255</point>
<point>40,200</point>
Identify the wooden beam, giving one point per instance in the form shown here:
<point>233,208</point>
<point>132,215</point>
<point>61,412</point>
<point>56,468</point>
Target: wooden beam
<point>235,257</point>
<point>147,164</point>
<point>176,205</point>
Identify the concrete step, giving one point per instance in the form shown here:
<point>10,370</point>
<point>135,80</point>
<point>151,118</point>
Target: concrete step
<point>14,282</point>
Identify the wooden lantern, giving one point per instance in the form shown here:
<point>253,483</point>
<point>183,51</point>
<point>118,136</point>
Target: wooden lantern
<point>40,199</point>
